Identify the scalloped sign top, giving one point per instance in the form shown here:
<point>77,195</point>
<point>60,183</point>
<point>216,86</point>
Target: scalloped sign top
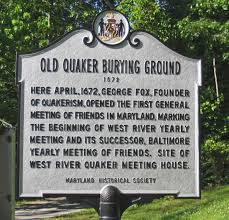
<point>108,107</point>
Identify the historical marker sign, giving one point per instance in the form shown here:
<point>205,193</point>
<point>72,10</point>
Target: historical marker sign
<point>94,113</point>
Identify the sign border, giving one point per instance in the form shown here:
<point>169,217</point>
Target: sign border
<point>135,42</point>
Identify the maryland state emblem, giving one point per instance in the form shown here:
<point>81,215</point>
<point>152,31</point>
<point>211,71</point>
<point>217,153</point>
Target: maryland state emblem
<point>111,27</point>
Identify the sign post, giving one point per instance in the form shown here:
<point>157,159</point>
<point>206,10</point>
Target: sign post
<point>7,166</point>
<point>109,203</point>
<point>108,108</point>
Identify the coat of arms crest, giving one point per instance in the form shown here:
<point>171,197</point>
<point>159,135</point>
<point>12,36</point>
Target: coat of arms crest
<point>111,27</point>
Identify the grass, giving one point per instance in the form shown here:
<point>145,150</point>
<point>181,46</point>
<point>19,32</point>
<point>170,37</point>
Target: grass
<point>214,205</point>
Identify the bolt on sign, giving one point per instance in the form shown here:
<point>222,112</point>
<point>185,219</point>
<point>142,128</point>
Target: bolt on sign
<point>108,107</point>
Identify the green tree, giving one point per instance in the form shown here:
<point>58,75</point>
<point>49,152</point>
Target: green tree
<point>206,33</point>
<point>29,25</point>
<point>195,28</point>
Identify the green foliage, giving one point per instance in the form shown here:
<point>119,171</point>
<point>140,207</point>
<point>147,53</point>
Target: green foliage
<point>195,28</point>
<point>148,15</point>
<point>215,147</point>
<point>214,123</point>
<point>206,33</point>
<point>29,25</point>
<point>206,29</point>
<point>215,162</point>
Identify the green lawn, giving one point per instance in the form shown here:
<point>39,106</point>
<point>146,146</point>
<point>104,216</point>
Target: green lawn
<point>214,205</point>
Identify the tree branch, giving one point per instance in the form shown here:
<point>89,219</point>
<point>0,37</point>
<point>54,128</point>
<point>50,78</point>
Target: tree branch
<point>215,76</point>
<point>6,124</point>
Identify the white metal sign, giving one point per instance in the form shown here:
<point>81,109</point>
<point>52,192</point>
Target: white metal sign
<point>93,115</point>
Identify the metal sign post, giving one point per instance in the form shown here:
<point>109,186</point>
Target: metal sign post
<point>110,203</point>
<point>113,203</point>
<point>7,200</point>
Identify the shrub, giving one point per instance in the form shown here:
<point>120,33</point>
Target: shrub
<point>215,162</point>
<point>215,145</point>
